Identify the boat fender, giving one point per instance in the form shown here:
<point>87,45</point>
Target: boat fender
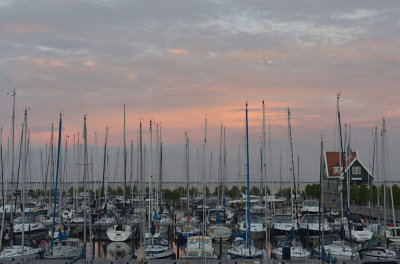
<point>43,244</point>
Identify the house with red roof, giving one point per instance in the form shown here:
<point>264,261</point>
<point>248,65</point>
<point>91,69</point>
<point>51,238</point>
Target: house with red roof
<point>335,161</point>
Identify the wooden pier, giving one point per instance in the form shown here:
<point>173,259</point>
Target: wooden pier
<point>373,213</point>
<point>169,261</point>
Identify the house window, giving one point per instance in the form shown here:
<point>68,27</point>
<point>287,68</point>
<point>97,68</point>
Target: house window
<point>356,170</point>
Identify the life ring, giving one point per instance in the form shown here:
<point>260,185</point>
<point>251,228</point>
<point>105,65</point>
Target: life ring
<point>43,244</point>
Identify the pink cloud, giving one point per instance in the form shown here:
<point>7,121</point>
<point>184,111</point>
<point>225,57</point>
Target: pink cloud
<point>178,51</point>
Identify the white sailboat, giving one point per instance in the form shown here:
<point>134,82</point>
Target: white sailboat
<point>189,229</point>
<point>119,232</point>
<point>290,248</point>
<point>22,249</point>
<point>246,249</point>
<point>61,246</point>
<point>218,229</point>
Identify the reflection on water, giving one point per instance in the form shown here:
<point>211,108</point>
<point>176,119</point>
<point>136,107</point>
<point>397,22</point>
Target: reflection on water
<point>118,250</point>
<point>105,249</point>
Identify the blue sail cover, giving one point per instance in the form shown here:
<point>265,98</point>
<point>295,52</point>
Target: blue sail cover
<point>218,218</point>
<point>326,258</point>
<point>62,236</point>
<point>291,234</point>
<point>242,235</point>
<point>82,255</point>
<point>155,216</point>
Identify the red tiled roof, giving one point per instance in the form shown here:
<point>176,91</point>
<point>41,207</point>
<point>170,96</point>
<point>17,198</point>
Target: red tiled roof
<point>332,160</point>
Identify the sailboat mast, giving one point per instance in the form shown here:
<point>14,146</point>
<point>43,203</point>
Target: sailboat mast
<point>248,181</point>
<point>124,158</point>
<point>386,149</point>
<point>264,176</point>
<point>187,170</point>
<point>56,182</point>
<point>322,190</point>
<point>220,167</point>
<point>141,249</point>
<point>160,175</point>
<point>131,174</point>
<point>151,179</point>
<point>292,169</point>
<point>224,170</point>
<point>12,150</point>
<point>104,164</point>
<point>25,128</point>
<point>345,180</point>
<point>85,163</point>
<point>204,186</point>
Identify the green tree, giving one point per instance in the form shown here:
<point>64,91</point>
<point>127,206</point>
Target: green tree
<point>312,191</point>
<point>396,195</point>
<point>233,192</point>
<point>363,194</point>
<point>285,192</point>
<point>255,191</point>
<point>193,191</point>
<point>119,190</point>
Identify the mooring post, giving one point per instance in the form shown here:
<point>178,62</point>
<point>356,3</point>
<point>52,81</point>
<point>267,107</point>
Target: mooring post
<point>177,249</point>
<point>220,247</point>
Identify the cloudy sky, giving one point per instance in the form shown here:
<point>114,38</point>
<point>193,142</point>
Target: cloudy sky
<point>177,62</point>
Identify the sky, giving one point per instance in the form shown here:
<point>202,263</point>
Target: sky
<point>179,62</point>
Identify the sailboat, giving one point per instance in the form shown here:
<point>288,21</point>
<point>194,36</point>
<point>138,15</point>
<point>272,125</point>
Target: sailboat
<point>290,248</point>
<point>217,217</point>
<point>188,230</point>
<point>61,246</point>
<point>154,246</point>
<point>119,232</point>
<point>241,248</point>
<point>374,249</point>
<point>200,247</point>
<point>333,247</point>
<point>21,249</point>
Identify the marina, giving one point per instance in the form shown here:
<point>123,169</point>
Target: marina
<point>144,225</point>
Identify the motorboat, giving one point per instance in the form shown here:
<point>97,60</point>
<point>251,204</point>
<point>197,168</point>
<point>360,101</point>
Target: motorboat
<point>312,225</point>
<point>393,235</point>
<point>282,224</point>
<point>336,248</point>
<point>359,233</point>
<point>33,229</point>
<point>310,207</point>
<point>374,250</point>
<point>243,250</point>
<point>257,228</point>
<point>290,250</point>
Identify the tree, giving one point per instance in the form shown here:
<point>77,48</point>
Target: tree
<point>255,191</point>
<point>363,194</point>
<point>312,190</point>
<point>233,192</point>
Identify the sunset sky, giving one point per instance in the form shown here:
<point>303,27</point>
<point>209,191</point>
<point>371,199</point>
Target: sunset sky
<point>177,62</point>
